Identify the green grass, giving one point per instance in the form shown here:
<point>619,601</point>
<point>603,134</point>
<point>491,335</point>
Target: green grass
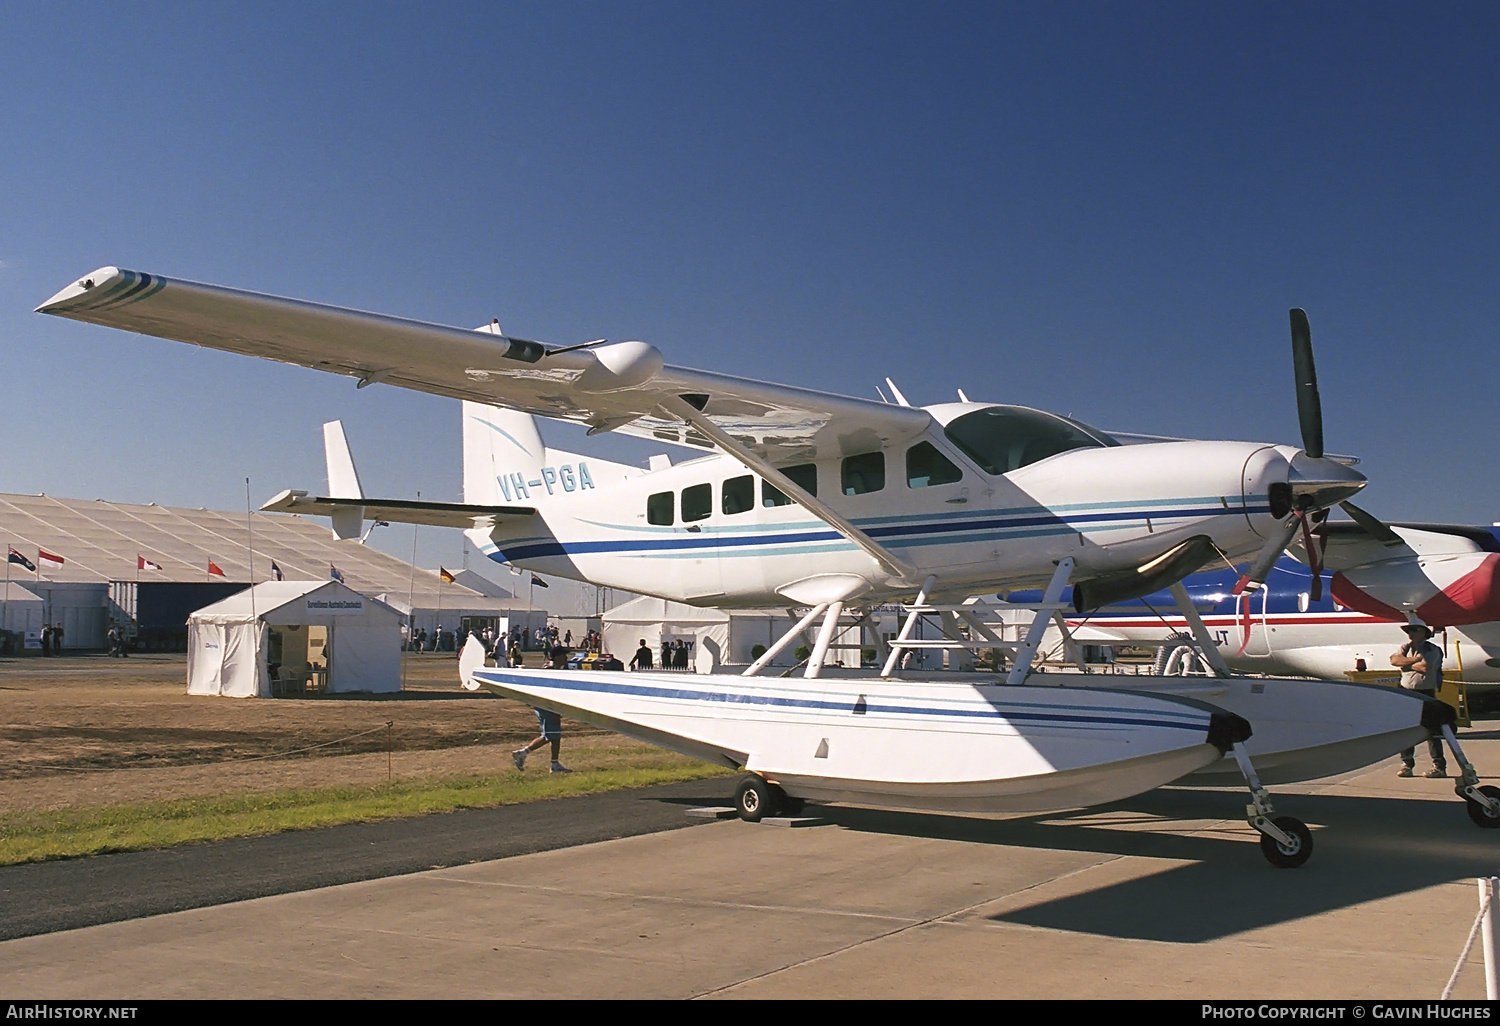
<point>67,833</point>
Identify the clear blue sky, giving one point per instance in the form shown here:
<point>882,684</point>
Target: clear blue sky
<point>1102,209</point>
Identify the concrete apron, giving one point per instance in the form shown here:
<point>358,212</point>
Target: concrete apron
<point>1162,896</point>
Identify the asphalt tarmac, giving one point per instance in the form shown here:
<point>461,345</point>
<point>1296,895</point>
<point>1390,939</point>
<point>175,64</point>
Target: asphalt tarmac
<point>44,897</point>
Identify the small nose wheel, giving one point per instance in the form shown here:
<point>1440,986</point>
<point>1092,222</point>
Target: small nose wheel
<point>1295,850</point>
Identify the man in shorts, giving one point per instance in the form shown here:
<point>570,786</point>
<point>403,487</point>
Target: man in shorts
<point>551,727</point>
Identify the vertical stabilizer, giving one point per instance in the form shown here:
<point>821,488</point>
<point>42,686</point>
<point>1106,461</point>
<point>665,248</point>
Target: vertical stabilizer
<point>343,481</point>
<point>498,443</point>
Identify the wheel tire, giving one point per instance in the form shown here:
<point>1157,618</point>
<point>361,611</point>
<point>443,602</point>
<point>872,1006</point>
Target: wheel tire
<point>1283,858</point>
<point>754,799</point>
<point>1478,813</point>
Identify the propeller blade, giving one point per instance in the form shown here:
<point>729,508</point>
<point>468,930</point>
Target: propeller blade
<point>1315,561</point>
<point>1373,526</point>
<point>1269,553</point>
<point>1309,406</point>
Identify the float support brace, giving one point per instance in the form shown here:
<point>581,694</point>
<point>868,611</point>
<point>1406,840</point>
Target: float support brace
<point>1027,652</point>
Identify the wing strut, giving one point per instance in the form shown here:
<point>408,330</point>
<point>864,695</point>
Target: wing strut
<point>684,410</point>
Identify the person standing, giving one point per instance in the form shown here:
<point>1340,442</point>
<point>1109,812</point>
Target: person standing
<point>57,638</point>
<point>1421,666</point>
<point>46,639</point>
<point>642,660</point>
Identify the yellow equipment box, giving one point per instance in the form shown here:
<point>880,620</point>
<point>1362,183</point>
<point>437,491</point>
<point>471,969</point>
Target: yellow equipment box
<point>1454,691</point>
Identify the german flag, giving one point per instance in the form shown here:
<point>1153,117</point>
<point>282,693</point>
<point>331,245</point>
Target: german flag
<point>446,576</point>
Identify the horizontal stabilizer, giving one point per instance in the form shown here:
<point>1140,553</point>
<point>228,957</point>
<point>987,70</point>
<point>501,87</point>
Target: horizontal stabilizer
<point>402,511</point>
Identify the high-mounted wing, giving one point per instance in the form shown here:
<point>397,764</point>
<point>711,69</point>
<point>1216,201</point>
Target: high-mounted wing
<point>609,387</point>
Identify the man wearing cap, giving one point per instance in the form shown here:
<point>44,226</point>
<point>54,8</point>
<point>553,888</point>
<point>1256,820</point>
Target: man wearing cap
<point>1421,666</point>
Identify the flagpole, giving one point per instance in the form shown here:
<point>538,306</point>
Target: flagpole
<point>250,544</point>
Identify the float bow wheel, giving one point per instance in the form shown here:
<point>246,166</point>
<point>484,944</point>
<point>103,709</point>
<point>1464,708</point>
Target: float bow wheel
<point>1478,813</point>
<point>1284,856</point>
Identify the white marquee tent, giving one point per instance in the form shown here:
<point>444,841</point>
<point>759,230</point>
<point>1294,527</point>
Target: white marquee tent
<point>229,641</point>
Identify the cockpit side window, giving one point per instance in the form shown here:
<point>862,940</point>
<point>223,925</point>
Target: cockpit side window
<point>926,466</point>
<point>1005,438</point>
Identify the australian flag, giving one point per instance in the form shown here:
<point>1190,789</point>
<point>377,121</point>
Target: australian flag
<point>333,574</point>
<point>275,570</point>
<point>16,557</point>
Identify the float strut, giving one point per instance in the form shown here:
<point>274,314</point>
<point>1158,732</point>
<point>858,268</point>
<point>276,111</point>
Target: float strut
<point>906,628</point>
<point>1027,652</point>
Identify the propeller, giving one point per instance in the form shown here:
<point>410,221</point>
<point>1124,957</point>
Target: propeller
<point>1315,481</point>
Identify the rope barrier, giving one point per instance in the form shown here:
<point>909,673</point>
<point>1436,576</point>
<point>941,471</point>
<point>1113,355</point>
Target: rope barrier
<point>1484,906</point>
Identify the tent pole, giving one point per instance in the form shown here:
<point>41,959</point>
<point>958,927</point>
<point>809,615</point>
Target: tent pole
<point>411,605</point>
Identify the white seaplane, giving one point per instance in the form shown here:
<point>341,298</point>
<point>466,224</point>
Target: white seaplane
<point>831,502</point>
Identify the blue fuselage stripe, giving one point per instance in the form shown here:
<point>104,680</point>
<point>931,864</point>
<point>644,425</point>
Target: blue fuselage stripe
<point>1051,524</point>
<point>1031,714</point>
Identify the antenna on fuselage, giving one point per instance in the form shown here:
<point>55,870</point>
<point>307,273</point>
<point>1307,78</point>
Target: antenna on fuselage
<point>963,398</point>
<point>900,399</point>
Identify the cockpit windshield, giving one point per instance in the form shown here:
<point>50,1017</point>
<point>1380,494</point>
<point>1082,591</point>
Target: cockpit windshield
<point>1005,438</point>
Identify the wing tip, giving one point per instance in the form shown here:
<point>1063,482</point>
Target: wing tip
<point>100,280</point>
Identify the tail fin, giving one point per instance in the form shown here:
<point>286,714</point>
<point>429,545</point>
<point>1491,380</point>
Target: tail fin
<point>343,481</point>
<point>506,461</point>
<point>497,444</point>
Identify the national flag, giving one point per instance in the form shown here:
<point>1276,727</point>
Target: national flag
<point>446,576</point>
<point>333,574</point>
<point>275,570</point>
<point>142,563</point>
<point>16,557</point>
<point>538,582</point>
<point>213,568</point>
<point>49,557</point>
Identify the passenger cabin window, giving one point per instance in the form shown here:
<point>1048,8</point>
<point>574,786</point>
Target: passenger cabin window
<point>738,495</point>
<point>803,475</point>
<point>863,473</point>
<point>697,503</point>
<point>1005,438</point>
<point>926,466</point>
<point>659,509</point>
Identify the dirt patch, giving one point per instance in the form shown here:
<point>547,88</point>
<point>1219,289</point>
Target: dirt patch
<point>88,730</point>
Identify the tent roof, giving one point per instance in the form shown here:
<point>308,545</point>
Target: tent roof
<point>13,592</point>
<point>649,609</point>
<point>100,542</point>
<point>265,598</point>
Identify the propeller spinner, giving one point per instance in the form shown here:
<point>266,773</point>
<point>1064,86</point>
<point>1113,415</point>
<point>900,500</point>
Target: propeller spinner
<point>1314,482</point>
